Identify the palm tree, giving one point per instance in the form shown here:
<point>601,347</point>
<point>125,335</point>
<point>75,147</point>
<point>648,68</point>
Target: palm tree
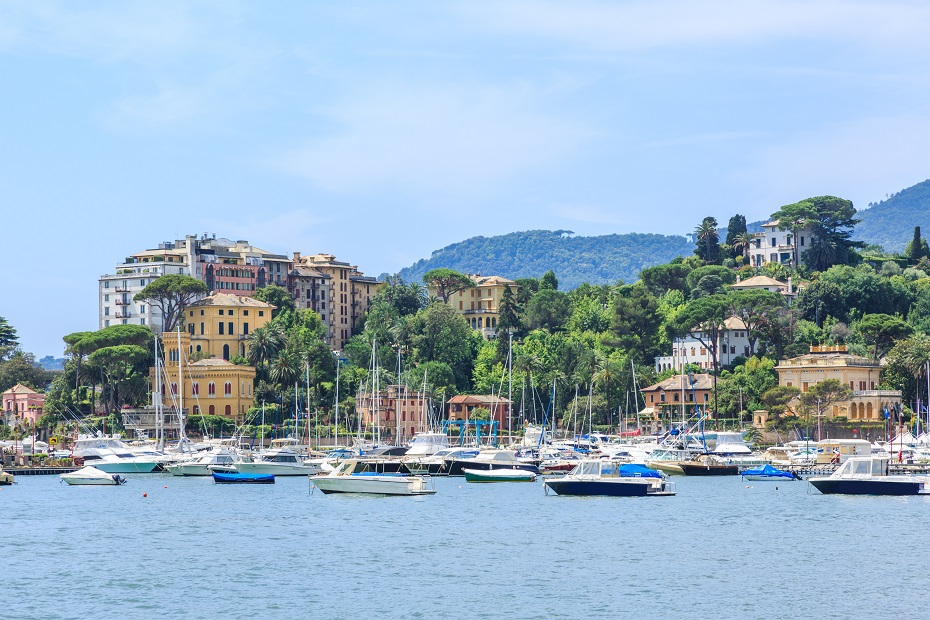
<point>286,367</point>
<point>264,343</point>
<point>743,241</point>
<point>707,232</point>
<point>606,371</point>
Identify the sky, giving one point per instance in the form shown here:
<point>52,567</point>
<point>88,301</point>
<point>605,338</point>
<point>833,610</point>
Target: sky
<point>381,131</point>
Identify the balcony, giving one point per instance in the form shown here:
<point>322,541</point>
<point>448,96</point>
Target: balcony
<point>878,393</point>
<point>122,314</point>
<point>122,302</point>
<point>122,289</point>
<point>480,311</point>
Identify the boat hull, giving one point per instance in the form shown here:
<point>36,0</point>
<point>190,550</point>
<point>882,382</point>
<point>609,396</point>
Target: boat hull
<point>372,484</point>
<point>458,467</point>
<point>240,478</point>
<point>128,467</point>
<point>829,486</point>
<point>613,488</point>
<point>499,475</point>
<point>696,469</point>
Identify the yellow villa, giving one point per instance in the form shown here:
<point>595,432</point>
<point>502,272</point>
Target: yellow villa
<point>217,329</point>
<point>480,304</point>
<point>861,374</point>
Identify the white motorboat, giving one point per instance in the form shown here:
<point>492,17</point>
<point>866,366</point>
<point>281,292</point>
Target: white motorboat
<point>91,476</point>
<point>109,454</point>
<point>455,464</point>
<point>279,462</point>
<point>345,479</point>
<point>424,444</point>
<point>218,460</point>
<point>868,475</point>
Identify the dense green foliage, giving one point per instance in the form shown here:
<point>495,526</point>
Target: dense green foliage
<point>597,260</point>
<point>889,223</point>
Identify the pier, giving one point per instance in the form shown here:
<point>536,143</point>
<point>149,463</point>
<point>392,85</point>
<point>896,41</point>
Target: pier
<point>39,471</point>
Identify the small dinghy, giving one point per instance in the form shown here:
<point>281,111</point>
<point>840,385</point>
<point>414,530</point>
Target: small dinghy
<point>91,476</point>
<point>767,472</point>
<point>498,475</point>
<point>221,478</point>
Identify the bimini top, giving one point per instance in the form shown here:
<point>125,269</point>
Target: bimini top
<point>631,470</point>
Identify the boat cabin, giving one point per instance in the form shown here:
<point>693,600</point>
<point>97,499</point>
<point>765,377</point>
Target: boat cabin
<point>840,450</point>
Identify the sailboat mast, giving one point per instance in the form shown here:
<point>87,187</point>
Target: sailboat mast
<point>156,399</point>
<point>510,386</point>
<point>181,434</point>
<point>337,402</point>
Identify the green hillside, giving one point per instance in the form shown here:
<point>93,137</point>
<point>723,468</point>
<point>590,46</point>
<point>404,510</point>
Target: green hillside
<point>890,223</point>
<point>597,260</point>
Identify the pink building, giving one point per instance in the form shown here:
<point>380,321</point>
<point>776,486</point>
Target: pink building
<point>23,403</point>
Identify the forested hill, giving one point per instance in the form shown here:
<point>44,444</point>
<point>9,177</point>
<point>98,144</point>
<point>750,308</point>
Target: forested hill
<point>529,254</point>
<point>891,222</point>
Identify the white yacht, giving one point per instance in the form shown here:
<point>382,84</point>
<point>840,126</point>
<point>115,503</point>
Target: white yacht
<point>280,462</point>
<point>92,476</point>
<point>345,479</point>
<point>109,454</point>
<point>868,475</point>
<point>221,460</point>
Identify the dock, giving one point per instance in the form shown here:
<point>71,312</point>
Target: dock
<point>39,471</point>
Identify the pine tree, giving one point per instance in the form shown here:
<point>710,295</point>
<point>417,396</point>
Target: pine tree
<point>917,247</point>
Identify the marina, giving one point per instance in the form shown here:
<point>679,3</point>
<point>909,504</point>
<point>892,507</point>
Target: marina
<point>527,544</point>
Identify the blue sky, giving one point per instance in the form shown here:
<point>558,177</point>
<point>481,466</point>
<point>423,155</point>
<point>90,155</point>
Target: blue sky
<point>381,131</point>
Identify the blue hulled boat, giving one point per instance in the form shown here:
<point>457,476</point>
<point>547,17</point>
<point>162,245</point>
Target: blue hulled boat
<point>595,477</point>
<point>220,478</point>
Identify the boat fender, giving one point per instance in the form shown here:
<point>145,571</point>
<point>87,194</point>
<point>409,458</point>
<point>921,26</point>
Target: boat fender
<point>145,495</point>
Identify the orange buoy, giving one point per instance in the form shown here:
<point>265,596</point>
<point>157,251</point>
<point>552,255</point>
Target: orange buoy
<point>145,495</point>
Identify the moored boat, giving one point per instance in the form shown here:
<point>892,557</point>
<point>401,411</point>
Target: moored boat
<point>596,477</point>
<point>708,466</point>
<point>6,478</point>
<point>498,475</point>
<point>868,475</point>
<point>240,478</point>
<point>91,476</point>
<point>768,472</point>
<point>346,478</point>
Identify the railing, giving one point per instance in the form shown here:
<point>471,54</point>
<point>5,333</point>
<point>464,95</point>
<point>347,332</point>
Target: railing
<point>121,302</point>
<point>122,289</point>
<point>879,393</point>
<point>123,315</point>
<point>481,311</point>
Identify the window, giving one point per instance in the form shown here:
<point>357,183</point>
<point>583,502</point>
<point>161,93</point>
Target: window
<point>221,312</point>
<point>222,325</point>
<point>802,241</point>
<point>705,397</point>
<point>772,240</point>
<point>211,390</point>
<point>106,311</point>
<point>227,389</point>
<point>245,313</point>
<point>228,410</point>
<point>106,298</point>
<point>212,410</point>
<point>261,313</point>
<point>201,313</point>
<point>230,312</point>
<point>192,313</point>
<point>245,329</point>
<point>804,386</point>
<point>225,351</point>
<point>190,328</point>
<point>201,329</point>
<point>174,388</point>
<point>142,322</point>
<point>230,328</point>
<point>662,397</point>
<point>106,284</point>
<point>195,388</point>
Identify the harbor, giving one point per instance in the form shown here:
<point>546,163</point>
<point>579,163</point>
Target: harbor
<point>485,551</point>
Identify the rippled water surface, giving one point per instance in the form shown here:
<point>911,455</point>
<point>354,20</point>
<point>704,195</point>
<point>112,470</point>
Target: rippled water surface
<point>721,548</point>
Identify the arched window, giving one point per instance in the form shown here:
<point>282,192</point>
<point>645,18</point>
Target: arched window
<point>228,409</point>
<point>211,389</point>
<point>198,348</point>
<point>174,388</point>
<point>403,416</point>
<point>227,389</point>
<point>225,351</point>
<point>212,410</point>
<point>195,388</point>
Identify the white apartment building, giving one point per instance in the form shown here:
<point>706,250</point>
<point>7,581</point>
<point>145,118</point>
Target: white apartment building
<point>733,342</point>
<point>117,291</point>
<point>777,246</point>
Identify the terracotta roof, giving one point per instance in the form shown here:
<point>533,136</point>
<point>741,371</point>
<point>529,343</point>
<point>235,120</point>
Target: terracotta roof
<point>19,388</point>
<point>702,381</point>
<point>759,281</point>
<point>476,399</point>
<point>212,361</point>
<point>734,322</point>
<point>224,299</point>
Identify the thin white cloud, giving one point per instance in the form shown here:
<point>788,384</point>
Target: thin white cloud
<point>646,24</point>
<point>436,139</point>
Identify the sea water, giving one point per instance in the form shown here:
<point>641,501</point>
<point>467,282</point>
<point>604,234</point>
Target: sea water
<point>167,547</point>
